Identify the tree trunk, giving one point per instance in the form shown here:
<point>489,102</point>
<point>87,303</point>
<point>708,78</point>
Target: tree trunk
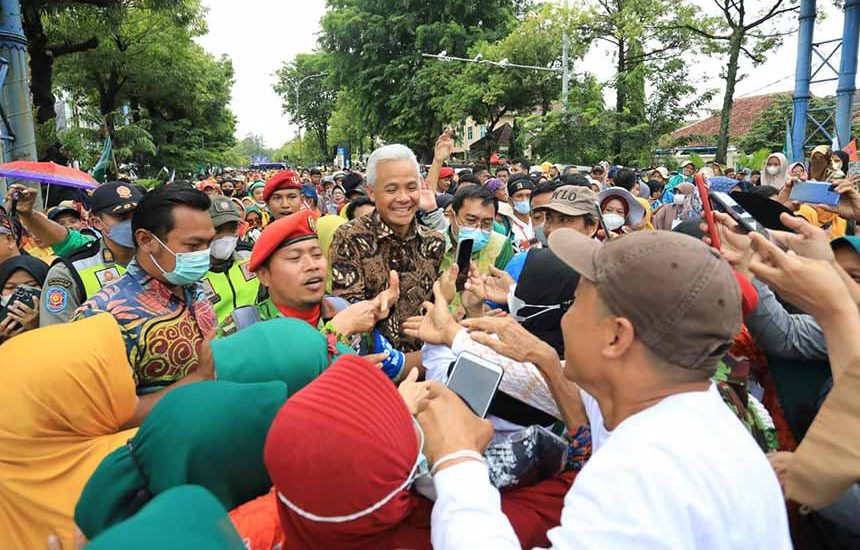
<point>728,99</point>
<point>620,100</point>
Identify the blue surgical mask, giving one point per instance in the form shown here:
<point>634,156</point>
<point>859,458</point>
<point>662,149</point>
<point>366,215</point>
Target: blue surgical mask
<point>120,233</point>
<point>540,236</point>
<point>479,237</point>
<point>190,266</point>
<point>522,207</point>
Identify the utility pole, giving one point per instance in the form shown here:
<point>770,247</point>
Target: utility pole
<point>565,62</point>
<point>21,143</point>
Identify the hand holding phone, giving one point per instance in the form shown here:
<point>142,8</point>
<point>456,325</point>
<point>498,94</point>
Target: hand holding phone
<point>727,204</point>
<point>713,233</point>
<point>464,257</point>
<point>476,381</point>
<point>815,192</point>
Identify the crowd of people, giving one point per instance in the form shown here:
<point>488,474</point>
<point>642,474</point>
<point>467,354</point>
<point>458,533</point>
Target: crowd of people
<point>260,360</point>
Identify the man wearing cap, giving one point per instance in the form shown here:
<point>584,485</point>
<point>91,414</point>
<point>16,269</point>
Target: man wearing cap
<point>571,207</point>
<point>598,174</point>
<point>283,194</point>
<point>660,174</point>
<point>520,189</point>
<point>290,263</point>
<point>67,216</point>
<point>316,176</point>
<point>86,264</point>
<point>229,283</point>
<point>446,180</point>
<point>671,465</point>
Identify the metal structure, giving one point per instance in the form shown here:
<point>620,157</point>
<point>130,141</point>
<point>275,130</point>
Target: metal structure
<point>298,124</point>
<point>17,135</point>
<point>825,118</point>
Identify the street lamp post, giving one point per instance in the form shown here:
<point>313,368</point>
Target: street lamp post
<point>298,124</point>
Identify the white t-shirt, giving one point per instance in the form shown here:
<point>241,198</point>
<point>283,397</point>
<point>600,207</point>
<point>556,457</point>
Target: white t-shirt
<point>684,473</point>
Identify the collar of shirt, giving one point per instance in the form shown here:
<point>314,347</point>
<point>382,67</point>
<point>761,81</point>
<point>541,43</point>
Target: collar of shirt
<point>162,291</point>
<point>382,229</point>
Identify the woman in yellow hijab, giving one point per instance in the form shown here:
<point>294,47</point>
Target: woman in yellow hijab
<point>66,391</point>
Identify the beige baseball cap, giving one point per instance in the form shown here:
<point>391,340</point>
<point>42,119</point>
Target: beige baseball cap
<point>571,200</point>
<point>690,318</point>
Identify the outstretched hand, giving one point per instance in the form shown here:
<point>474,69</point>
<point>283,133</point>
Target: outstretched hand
<point>444,146</point>
<point>512,340</point>
<point>807,240</point>
<point>849,198</point>
<point>437,325</point>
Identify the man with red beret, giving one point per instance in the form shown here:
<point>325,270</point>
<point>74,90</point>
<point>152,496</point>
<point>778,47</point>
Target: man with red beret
<point>289,262</point>
<point>283,194</point>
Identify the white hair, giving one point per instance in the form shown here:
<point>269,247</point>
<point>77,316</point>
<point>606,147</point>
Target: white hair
<point>389,153</point>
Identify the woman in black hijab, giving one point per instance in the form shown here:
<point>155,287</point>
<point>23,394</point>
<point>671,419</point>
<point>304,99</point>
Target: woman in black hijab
<point>17,317</point>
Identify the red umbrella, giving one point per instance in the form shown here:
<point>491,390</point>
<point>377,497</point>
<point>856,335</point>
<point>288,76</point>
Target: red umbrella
<point>48,172</point>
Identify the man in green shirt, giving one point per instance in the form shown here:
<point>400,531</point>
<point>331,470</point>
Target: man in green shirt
<point>86,264</point>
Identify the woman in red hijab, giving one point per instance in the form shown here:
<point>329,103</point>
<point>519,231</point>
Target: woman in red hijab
<point>343,453</point>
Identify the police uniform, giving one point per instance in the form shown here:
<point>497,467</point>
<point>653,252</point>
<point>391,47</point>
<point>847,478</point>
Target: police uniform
<point>229,284</point>
<point>75,277</point>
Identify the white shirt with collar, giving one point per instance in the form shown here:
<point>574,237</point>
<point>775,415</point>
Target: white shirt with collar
<point>683,473</point>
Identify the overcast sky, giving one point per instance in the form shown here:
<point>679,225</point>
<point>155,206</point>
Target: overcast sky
<point>259,35</point>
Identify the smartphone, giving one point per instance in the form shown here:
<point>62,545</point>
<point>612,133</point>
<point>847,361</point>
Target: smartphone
<point>708,212</point>
<point>815,192</point>
<point>464,257</point>
<point>476,381</point>
<point>727,204</point>
<point>602,222</point>
<point>765,211</point>
<point>24,294</point>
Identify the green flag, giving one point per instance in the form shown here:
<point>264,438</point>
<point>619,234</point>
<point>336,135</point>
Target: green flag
<point>787,148</point>
<point>99,171</point>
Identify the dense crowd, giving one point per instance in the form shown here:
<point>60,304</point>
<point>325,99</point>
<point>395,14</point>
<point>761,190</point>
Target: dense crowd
<point>261,360</point>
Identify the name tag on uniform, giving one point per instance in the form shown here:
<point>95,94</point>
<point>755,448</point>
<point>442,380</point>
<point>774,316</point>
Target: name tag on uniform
<point>107,276</point>
<point>209,292</point>
<point>248,274</point>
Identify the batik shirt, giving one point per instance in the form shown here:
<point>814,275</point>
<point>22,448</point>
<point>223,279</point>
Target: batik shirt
<point>365,250</point>
<point>162,333</point>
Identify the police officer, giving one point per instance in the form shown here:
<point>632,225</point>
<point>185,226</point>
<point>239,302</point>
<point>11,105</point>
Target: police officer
<point>86,264</point>
<point>229,283</point>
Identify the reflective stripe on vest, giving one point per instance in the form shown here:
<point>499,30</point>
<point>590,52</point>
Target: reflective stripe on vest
<point>236,288</point>
<point>96,273</point>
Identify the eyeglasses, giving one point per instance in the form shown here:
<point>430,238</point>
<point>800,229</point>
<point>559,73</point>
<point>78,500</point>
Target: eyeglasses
<point>483,226</point>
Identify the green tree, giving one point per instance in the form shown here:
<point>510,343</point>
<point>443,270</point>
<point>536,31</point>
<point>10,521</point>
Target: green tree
<point>488,92</point>
<point>312,106</point>
<point>743,28</point>
<point>346,126</point>
<point>581,134</point>
<point>648,42</point>
<point>376,47</point>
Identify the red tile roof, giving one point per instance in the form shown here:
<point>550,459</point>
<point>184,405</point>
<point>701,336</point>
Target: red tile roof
<point>744,112</point>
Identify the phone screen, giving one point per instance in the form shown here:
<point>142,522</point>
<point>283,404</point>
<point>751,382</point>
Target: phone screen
<point>464,256</point>
<point>814,192</point>
<point>475,382</point>
<point>736,211</point>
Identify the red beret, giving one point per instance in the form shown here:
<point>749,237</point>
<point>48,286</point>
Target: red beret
<point>283,232</point>
<point>446,172</point>
<point>286,179</point>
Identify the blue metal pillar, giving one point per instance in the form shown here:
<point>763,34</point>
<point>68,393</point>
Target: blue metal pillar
<point>802,75</point>
<point>15,95</point>
<point>847,72</point>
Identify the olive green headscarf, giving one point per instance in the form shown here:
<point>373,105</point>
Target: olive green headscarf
<point>208,433</point>
<point>285,349</point>
<point>186,517</point>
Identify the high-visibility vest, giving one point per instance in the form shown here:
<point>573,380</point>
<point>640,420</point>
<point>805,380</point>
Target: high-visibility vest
<point>233,288</point>
<point>92,267</point>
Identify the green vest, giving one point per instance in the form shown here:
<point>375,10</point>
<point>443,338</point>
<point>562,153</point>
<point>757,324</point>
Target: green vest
<point>233,288</point>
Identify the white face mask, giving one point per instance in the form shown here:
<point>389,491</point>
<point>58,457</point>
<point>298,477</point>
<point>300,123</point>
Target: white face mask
<point>4,300</point>
<point>223,247</point>
<point>613,221</point>
<point>678,198</point>
<point>773,170</point>
<point>420,469</point>
<point>516,304</point>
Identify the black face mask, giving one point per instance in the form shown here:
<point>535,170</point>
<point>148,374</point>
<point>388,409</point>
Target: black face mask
<point>227,192</point>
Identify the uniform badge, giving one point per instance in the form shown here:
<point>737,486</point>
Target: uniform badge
<point>123,192</point>
<point>312,223</point>
<point>247,273</point>
<point>57,300</point>
<point>107,276</point>
<point>209,292</point>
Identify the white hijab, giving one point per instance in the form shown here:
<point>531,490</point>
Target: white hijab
<point>777,180</point>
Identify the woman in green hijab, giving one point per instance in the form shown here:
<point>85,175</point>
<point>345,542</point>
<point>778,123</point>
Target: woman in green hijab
<point>209,433</point>
<point>186,517</point>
